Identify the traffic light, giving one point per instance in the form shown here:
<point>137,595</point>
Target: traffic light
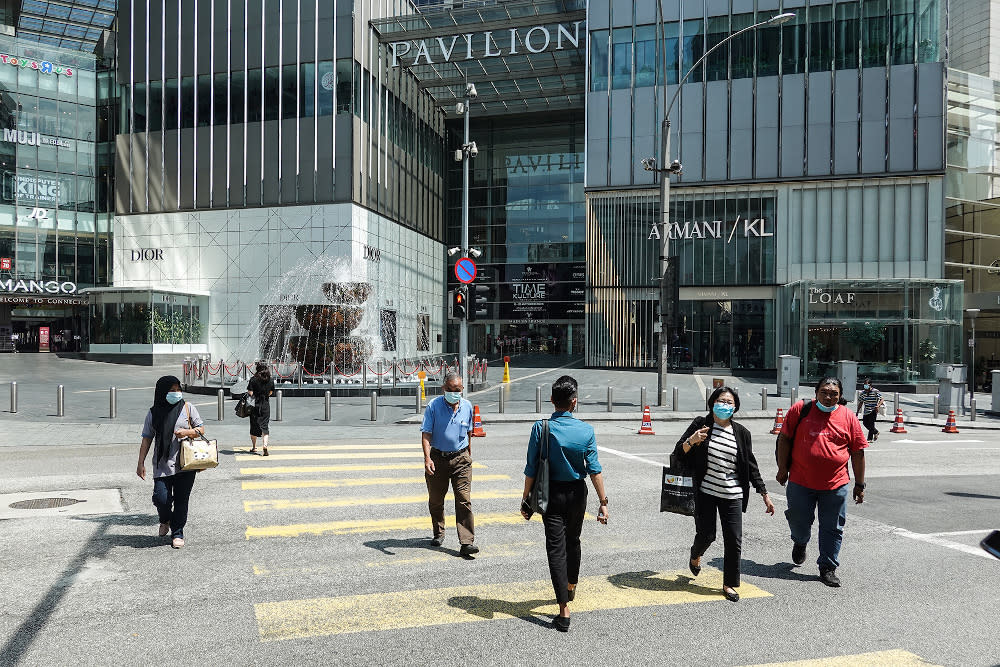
<point>459,303</point>
<point>478,300</point>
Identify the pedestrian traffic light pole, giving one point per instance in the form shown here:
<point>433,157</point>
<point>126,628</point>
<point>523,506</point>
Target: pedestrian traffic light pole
<point>467,151</point>
<point>665,167</point>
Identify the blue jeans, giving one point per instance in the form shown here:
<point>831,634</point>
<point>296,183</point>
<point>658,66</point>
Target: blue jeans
<point>802,503</point>
<point>170,496</point>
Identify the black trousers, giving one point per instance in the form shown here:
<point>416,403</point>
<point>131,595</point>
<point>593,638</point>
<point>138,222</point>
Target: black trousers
<point>171,495</point>
<point>731,517</point>
<point>869,421</point>
<point>563,525</point>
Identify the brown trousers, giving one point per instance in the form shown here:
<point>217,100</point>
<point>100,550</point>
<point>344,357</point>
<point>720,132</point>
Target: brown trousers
<point>457,470</point>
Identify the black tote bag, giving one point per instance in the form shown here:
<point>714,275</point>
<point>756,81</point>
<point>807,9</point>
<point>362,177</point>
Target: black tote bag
<point>677,493</point>
<point>538,499</point>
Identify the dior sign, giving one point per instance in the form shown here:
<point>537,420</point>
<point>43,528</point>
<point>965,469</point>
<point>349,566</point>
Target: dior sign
<point>488,44</point>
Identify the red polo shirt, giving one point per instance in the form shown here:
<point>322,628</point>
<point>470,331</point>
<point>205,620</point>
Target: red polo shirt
<point>823,445</point>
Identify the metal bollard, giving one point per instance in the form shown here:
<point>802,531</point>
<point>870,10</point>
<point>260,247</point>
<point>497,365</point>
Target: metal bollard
<point>13,397</point>
<point>663,398</point>
<point>538,400</point>
<point>278,395</point>
<point>379,371</point>
<point>794,395</point>
<point>60,402</point>
<point>419,404</point>
<point>327,406</point>
<point>500,399</point>
<point>221,401</point>
<point>937,406</point>
<point>763,398</point>
<point>706,394</point>
<point>374,406</point>
<point>642,398</point>
<point>857,397</point>
<point>972,409</point>
<point>113,410</point>
<point>676,398</point>
<point>611,399</point>
<point>895,404</point>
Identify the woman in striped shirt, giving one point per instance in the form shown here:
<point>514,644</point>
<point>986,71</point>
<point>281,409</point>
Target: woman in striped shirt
<point>718,451</point>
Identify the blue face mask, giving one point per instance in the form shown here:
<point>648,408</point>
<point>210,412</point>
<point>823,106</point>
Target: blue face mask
<point>723,410</point>
<point>174,397</point>
<point>453,397</point>
<point>868,386</point>
<point>826,409</point>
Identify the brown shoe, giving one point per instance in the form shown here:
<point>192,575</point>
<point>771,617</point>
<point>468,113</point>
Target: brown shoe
<point>164,529</point>
<point>177,543</point>
<point>265,451</point>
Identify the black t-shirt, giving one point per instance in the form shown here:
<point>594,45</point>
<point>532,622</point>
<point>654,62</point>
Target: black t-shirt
<point>261,390</point>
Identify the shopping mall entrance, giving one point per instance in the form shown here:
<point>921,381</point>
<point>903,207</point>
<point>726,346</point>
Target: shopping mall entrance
<point>496,340</point>
<point>43,324</point>
<point>721,335</point>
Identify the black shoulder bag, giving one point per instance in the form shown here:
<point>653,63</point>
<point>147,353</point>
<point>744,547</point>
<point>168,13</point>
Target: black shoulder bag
<point>538,499</point>
<point>802,415</point>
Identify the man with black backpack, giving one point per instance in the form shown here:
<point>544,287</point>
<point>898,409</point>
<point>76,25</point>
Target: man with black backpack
<point>813,449</point>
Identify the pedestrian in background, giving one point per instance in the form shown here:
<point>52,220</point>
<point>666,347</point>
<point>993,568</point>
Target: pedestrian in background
<point>448,459</point>
<point>572,455</point>
<point>871,401</point>
<point>260,387</point>
<point>812,459</point>
<point>719,452</point>
<point>169,420</point>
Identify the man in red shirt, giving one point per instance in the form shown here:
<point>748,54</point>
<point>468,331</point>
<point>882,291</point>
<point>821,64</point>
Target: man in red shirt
<point>815,468</point>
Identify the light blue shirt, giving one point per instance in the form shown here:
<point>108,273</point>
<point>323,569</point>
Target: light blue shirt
<point>572,449</point>
<point>449,428</point>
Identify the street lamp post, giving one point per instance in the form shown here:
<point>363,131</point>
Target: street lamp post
<point>468,151</point>
<point>973,313</point>
<point>665,168</point>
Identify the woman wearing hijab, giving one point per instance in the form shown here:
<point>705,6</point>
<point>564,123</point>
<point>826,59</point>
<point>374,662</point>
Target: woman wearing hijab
<point>261,387</point>
<point>170,419</point>
<point>719,452</point>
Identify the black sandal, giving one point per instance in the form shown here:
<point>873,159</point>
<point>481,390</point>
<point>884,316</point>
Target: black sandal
<point>253,450</point>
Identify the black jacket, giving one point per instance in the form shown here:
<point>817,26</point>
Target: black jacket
<point>697,458</point>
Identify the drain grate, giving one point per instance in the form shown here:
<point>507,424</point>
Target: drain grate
<point>44,503</point>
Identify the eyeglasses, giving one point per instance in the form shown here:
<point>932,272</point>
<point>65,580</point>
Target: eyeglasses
<point>727,401</point>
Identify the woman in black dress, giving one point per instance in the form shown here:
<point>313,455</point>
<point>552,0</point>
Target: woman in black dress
<point>260,388</point>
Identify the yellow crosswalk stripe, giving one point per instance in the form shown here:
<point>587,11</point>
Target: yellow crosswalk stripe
<point>319,503</point>
<point>412,523</point>
<point>896,658</point>
<point>356,481</point>
<point>328,456</point>
<point>329,448</point>
<point>296,619</point>
<point>289,470</point>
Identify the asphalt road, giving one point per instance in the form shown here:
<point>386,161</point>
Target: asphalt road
<point>320,554</point>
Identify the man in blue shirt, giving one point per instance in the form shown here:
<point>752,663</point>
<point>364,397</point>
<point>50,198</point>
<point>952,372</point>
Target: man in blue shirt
<point>448,458</point>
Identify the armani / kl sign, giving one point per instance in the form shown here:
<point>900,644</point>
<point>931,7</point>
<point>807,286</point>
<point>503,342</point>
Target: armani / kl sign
<point>487,44</point>
<point>714,229</point>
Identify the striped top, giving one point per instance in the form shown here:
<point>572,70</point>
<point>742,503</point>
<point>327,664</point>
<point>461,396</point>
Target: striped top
<point>871,400</point>
<point>720,479</point>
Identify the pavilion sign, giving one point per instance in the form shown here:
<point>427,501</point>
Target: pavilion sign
<point>488,44</point>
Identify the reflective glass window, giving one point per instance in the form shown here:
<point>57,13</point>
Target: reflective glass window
<point>645,56</point>
<point>307,100</point>
<point>692,47</point>
<point>621,58</point>
<point>344,85</point>
<point>187,102</point>
<point>221,94</point>
<point>928,31</point>
<point>768,50</point>
<point>87,86</point>
<point>903,26</point>
<point>289,91</point>
<point>846,36</point>
<point>717,64</point>
<point>237,93</point>
<point>328,87</point>
<point>874,33</point>
<point>204,101</point>
<point>820,38</point>
<point>671,43</point>
<point>599,60</point>
<point>793,45</point>
<point>255,95</point>
<point>139,107</point>
<point>742,47</point>
<point>170,104</point>
<point>49,118</point>
<point>272,93</point>
<point>155,122</point>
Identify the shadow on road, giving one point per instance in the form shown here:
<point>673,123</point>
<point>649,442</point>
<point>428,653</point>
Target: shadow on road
<point>963,494</point>
<point>385,546</point>
<point>98,546</point>
<point>488,608</point>
<point>776,571</point>
<point>649,581</point>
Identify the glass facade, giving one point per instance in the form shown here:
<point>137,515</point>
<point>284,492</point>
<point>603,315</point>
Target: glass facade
<point>897,330</point>
<point>526,214</point>
<point>137,320</point>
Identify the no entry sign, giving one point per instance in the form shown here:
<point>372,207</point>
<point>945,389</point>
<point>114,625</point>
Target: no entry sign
<point>465,270</point>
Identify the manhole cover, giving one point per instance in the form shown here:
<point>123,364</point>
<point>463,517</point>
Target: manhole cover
<point>44,503</point>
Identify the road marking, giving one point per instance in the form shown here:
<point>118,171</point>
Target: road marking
<point>319,503</point>
<point>526,377</point>
<point>334,483</point>
<point>897,658</point>
<point>354,526</point>
<point>961,532</point>
<point>633,457</point>
<point>941,542</point>
<point>289,470</point>
<point>317,617</point>
<point>977,449</point>
<point>327,456</point>
<point>327,448</point>
<point>933,442</point>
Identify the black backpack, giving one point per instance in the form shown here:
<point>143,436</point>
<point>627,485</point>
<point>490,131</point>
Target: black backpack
<point>802,415</point>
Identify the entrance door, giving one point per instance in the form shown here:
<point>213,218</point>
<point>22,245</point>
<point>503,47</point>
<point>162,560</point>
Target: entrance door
<point>712,334</point>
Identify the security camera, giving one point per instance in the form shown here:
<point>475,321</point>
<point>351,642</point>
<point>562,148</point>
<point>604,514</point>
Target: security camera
<point>453,251</point>
<point>648,163</point>
<point>470,91</point>
<point>460,108</point>
<point>676,167</point>
<point>475,253</point>
<point>459,155</point>
<point>473,149</point>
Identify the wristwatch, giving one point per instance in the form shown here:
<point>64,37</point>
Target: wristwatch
<point>860,485</point>
<point>605,501</point>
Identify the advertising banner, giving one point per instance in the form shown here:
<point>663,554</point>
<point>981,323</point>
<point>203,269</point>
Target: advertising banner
<point>43,339</point>
<point>543,291</point>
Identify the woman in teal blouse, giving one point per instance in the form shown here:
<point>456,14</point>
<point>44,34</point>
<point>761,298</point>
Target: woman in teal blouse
<point>572,453</point>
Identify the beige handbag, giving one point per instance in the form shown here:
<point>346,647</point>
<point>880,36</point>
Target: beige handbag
<point>198,453</point>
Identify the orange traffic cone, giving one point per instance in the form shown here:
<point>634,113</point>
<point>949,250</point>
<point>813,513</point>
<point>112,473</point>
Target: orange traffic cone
<point>477,424</point>
<point>950,426</point>
<point>779,421</point>
<point>647,422</point>
<point>898,427</point>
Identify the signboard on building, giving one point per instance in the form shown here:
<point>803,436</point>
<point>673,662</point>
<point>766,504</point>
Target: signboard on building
<point>488,44</point>
<point>12,286</point>
<point>543,291</point>
<point>5,263</point>
<point>42,66</point>
<point>43,339</point>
